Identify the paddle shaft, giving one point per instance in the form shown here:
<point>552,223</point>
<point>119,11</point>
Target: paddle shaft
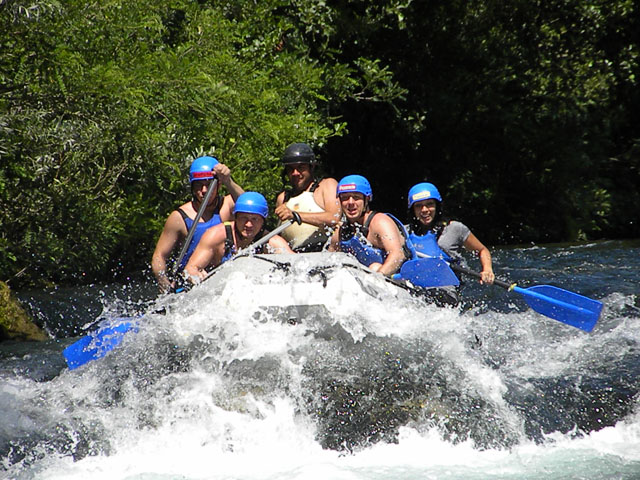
<point>515,288</point>
<point>192,230</point>
<point>553,302</point>
<point>296,219</point>
<point>471,273</point>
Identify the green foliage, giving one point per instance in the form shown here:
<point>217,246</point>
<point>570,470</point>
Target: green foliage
<point>104,105</point>
<point>523,113</point>
<point>513,109</point>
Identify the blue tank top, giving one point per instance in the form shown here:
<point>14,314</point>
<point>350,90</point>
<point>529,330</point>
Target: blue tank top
<point>197,235</point>
<point>428,245</point>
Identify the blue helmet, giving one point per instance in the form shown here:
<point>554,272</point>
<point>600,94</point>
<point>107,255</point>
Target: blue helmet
<point>423,191</point>
<point>252,202</point>
<point>202,168</point>
<point>355,183</point>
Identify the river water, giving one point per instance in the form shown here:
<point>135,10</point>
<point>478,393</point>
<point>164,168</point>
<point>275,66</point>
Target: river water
<point>374,388</point>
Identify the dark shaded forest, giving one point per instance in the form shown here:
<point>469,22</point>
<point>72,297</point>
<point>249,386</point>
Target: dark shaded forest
<point>525,114</point>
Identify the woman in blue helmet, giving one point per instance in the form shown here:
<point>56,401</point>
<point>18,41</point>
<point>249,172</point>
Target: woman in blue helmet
<point>434,237</point>
<point>221,242</point>
<point>179,222</point>
<point>375,239</point>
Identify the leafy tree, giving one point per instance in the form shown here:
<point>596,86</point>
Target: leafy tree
<point>513,109</point>
<point>104,105</point>
<point>524,114</point>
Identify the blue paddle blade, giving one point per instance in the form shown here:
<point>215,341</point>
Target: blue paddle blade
<point>428,273</point>
<point>563,305</point>
<point>97,344</point>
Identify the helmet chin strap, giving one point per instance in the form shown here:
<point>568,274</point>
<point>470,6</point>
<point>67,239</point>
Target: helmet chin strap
<point>197,204</point>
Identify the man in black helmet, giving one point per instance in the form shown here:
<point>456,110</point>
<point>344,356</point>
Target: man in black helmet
<point>312,198</point>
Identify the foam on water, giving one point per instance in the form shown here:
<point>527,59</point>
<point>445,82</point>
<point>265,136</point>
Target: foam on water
<point>377,385</point>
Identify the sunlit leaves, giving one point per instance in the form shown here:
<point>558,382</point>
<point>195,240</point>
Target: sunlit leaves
<point>105,104</point>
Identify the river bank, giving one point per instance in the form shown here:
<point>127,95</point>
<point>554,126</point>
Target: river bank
<point>15,323</point>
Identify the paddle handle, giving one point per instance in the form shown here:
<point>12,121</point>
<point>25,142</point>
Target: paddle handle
<point>471,273</point>
<point>192,230</point>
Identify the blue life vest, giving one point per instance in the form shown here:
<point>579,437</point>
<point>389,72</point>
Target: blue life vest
<point>197,234</point>
<point>428,245</point>
<point>353,240</point>
<point>359,247</point>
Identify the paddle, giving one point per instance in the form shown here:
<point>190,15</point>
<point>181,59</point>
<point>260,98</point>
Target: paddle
<point>97,344</point>
<point>192,230</point>
<point>427,272</point>
<point>296,219</point>
<point>553,302</point>
<point>245,251</point>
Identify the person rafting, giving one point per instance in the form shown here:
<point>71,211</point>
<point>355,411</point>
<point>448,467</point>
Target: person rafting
<point>432,236</point>
<point>375,239</point>
<point>180,222</point>
<point>224,240</point>
<point>312,198</point>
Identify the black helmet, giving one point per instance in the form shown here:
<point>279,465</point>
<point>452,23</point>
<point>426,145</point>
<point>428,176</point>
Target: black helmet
<point>298,153</point>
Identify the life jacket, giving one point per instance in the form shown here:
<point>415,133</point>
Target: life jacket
<point>304,237</point>
<point>353,240</point>
<point>428,245</point>
<point>201,227</point>
<point>314,186</point>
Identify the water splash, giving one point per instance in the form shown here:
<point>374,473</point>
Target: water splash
<point>357,379</point>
